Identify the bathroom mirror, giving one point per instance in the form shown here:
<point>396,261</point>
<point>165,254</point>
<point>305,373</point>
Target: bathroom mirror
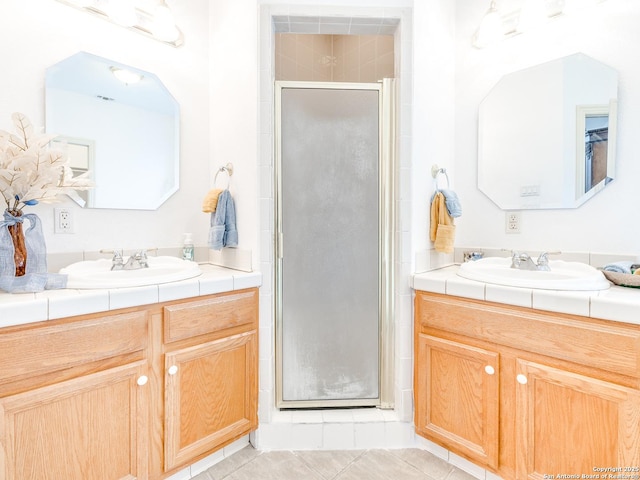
<point>124,130</point>
<point>547,135</point>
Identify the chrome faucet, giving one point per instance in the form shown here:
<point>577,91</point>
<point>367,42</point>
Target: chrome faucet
<point>136,261</point>
<point>523,261</point>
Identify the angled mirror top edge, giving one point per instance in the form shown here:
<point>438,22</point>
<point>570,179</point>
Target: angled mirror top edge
<point>125,130</point>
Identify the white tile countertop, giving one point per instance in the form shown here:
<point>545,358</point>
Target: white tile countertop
<point>619,304</point>
<point>21,308</point>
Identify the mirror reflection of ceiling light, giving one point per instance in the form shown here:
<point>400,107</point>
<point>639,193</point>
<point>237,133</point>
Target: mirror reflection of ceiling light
<point>149,17</point>
<point>126,76</point>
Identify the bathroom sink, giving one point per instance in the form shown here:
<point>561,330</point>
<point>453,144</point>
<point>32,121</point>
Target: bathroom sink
<point>98,274</point>
<point>562,276</point>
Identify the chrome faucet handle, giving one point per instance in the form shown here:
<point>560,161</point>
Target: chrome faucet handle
<point>141,256</point>
<point>517,258</point>
<point>117,261</point>
<point>543,260</point>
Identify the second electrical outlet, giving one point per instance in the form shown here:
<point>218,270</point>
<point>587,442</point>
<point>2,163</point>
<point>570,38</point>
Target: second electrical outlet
<point>512,222</point>
<point>63,220</point>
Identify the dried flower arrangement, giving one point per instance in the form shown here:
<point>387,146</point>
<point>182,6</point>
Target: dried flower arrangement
<point>31,170</point>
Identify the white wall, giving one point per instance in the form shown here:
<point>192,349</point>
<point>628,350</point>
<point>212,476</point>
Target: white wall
<point>233,91</point>
<point>37,35</point>
<point>608,222</point>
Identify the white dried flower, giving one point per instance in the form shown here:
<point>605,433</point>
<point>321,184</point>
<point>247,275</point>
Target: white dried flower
<point>31,171</point>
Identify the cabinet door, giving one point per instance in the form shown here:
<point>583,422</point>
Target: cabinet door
<point>211,396</point>
<point>457,398</point>
<point>90,428</point>
<point>570,424</point>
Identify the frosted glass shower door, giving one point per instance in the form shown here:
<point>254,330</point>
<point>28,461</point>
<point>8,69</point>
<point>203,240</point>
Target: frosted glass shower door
<point>329,246</point>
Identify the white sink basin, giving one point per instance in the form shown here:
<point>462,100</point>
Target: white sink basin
<point>562,276</point>
<point>98,274</point>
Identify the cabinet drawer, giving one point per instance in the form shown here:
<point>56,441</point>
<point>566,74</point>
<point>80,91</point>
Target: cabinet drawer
<point>44,349</point>
<point>607,346</point>
<point>190,319</point>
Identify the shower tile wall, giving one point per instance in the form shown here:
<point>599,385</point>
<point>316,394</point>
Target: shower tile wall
<point>333,58</point>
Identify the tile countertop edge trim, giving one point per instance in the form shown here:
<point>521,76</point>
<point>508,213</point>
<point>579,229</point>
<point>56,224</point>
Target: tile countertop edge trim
<point>16,309</point>
<point>618,304</point>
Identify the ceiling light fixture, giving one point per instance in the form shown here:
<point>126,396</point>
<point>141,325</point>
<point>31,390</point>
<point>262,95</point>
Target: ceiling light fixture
<point>532,15</point>
<point>164,25</point>
<point>151,18</point>
<point>490,29</point>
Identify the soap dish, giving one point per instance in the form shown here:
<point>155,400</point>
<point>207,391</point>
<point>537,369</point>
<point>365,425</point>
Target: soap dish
<point>623,279</point>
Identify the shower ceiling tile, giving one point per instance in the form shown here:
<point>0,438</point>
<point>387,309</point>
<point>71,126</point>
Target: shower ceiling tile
<point>335,25</point>
<point>303,19</point>
<point>387,30</point>
<point>335,20</point>
<point>334,29</point>
<point>366,21</point>
<point>364,29</point>
<point>305,27</point>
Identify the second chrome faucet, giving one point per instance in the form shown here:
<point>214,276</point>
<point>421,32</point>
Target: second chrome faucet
<point>523,261</point>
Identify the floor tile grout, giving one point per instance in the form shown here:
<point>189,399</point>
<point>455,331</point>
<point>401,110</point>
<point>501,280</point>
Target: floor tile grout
<point>372,464</point>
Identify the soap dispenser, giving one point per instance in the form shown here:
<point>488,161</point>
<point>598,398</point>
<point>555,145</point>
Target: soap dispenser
<point>187,247</point>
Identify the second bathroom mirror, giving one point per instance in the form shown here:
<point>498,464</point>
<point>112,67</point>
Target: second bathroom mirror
<point>547,134</point>
<point>121,124</point>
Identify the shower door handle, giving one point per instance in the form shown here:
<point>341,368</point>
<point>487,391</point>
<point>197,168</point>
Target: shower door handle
<point>280,248</point>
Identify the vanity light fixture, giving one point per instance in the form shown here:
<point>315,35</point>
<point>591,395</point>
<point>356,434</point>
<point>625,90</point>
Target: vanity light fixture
<point>532,15</point>
<point>126,76</point>
<point>490,29</point>
<point>152,18</point>
<point>495,26</point>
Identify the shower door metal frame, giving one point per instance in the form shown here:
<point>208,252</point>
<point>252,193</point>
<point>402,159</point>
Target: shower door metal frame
<point>386,242</point>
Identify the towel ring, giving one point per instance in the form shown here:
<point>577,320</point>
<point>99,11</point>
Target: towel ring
<point>435,171</point>
<point>228,168</point>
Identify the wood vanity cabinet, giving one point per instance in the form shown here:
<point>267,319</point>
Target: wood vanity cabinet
<point>131,394</point>
<point>526,393</point>
<point>211,380</point>
<point>74,399</point>
<point>456,399</point>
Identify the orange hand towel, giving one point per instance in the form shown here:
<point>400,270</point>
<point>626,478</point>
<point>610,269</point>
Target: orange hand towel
<point>442,230</point>
<point>210,201</point>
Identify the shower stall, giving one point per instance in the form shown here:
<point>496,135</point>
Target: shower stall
<point>334,244</point>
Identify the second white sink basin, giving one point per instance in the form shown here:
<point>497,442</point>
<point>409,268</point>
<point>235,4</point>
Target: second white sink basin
<point>562,276</point>
<point>98,274</point>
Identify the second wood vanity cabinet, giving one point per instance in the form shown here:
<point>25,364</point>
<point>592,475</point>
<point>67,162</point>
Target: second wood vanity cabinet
<point>211,362</point>
<point>526,393</point>
<point>133,394</point>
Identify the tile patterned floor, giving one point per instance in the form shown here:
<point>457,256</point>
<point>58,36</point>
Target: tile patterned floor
<point>408,464</point>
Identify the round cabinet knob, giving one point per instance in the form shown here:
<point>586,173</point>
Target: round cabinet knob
<point>173,369</point>
<point>490,370</point>
<point>142,380</point>
<point>522,379</point>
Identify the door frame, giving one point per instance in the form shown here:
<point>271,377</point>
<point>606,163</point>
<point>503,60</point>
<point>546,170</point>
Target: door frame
<point>387,128</point>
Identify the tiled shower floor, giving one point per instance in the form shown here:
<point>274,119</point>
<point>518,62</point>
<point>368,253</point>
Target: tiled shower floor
<point>408,464</point>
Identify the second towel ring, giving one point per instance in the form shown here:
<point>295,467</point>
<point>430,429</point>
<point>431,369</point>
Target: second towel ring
<point>435,171</point>
<point>228,168</point>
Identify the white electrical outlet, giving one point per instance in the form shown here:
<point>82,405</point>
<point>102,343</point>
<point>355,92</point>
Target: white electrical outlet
<point>63,220</point>
<point>512,222</point>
